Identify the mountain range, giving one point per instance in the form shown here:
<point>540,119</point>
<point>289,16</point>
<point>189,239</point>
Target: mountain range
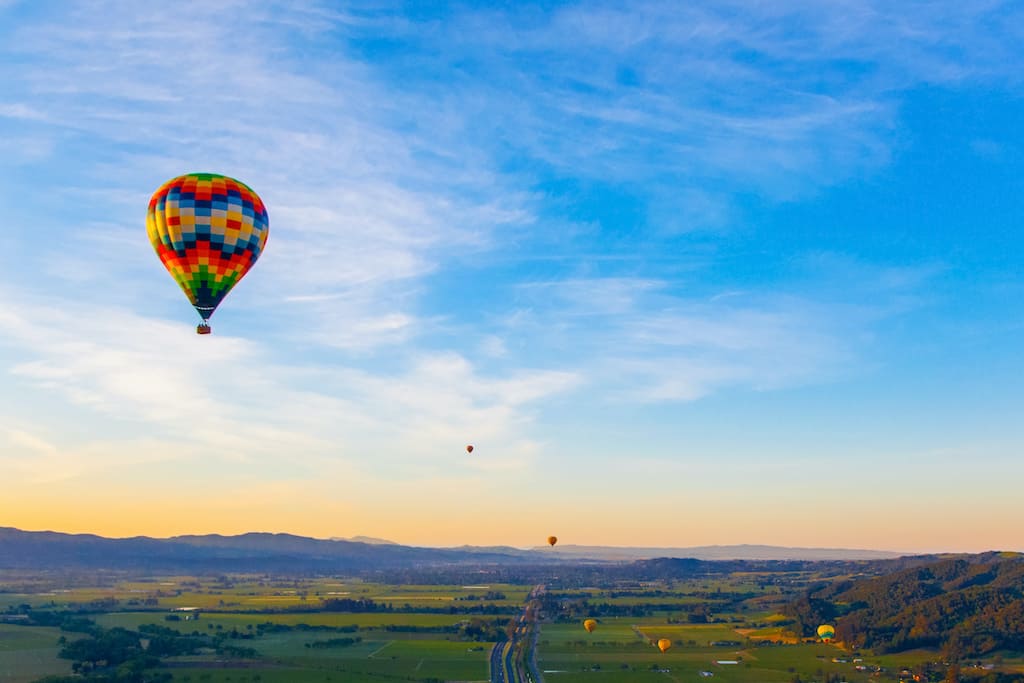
<point>268,552</point>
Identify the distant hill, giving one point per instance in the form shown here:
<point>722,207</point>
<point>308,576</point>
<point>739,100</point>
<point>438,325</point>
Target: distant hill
<point>298,554</point>
<point>260,552</point>
<point>369,540</point>
<point>967,605</point>
<point>716,552</point>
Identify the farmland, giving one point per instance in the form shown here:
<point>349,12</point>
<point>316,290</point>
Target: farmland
<point>729,630</point>
<point>272,630</point>
<point>727,627</point>
<point>29,653</point>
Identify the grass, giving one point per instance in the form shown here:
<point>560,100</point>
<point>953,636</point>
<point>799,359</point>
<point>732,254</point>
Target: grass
<point>252,594</point>
<point>230,620</point>
<point>28,653</point>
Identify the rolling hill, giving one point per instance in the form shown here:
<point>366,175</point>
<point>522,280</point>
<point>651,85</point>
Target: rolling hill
<point>298,554</point>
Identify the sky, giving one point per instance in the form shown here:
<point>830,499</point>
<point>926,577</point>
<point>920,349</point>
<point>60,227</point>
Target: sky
<point>683,273</point>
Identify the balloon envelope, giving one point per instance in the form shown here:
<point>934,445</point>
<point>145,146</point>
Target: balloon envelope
<point>208,231</point>
<point>826,632</point>
<point>469,448</point>
<point>552,540</point>
<point>590,625</point>
<point>664,644</point>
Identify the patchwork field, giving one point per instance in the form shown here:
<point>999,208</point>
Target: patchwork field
<point>746,639</point>
<point>269,629</point>
<point>280,629</point>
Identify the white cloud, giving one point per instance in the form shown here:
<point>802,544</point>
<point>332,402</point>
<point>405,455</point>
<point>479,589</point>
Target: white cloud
<point>374,183</point>
<point>639,340</point>
<point>358,206</point>
<point>232,399</point>
<point>777,98</point>
<point>18,110</point>
<point>31,460</point>
<point>512,220</point>
<point>23,439</point>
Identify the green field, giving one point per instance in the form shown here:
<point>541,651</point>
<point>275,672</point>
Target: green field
<point>28,653</point>
<point>616,652</point>
<point>240,621</point>
<point>418,642</point>
<point>744,629</point>
<point>285,655</point>
<point>239,605</point>
<point>249,594</point>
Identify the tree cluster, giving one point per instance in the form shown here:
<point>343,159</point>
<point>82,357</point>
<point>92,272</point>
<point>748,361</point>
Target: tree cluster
<point>967,606</point>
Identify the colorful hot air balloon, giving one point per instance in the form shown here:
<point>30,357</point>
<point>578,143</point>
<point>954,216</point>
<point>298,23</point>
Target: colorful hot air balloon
<point>826,633</point>
<point>590,625</point>
<point>208,230</point>
<point>552,540</point>
<point>469,448</point>
<point>664,644</point>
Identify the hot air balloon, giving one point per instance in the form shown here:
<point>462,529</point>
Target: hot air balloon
<point>664,644</point>
<point>590,625</point>
<point>469,448</point>
<point>552,540</point>
<point>826,633</point>
<point>208,231</point>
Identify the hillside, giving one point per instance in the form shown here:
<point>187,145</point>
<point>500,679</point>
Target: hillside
<point>965,605</point>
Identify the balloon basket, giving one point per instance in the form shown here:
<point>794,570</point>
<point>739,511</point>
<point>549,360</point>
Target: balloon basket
<point>203,328</point>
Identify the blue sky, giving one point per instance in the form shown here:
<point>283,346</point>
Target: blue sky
<point>653,262</point>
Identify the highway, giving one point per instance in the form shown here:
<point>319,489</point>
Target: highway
<point>505,665</point>
<point>501,663</point>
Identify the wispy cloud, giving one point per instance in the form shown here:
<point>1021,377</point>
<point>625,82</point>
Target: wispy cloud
<point>358,208</point>
<point>777,99</point>
<point>475,218</point>
<point>232,400</point>
<point>640,339</point>
<point>378,174</point>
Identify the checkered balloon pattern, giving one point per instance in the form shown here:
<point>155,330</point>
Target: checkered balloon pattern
<point>208,230</point>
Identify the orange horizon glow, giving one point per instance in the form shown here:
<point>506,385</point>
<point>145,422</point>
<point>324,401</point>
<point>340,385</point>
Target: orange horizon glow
<point>164,517</point>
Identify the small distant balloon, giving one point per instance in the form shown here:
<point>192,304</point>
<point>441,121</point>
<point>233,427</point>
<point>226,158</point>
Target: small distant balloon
<point>590,625</point>
<point>826,632</point>
<point>469,448</point>
<point>664,644</point>
<point>208,230</point>
<point>552,540</point>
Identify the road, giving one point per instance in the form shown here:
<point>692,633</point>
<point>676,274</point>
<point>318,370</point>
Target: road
<point>505,664</point>
<point>501,663</point>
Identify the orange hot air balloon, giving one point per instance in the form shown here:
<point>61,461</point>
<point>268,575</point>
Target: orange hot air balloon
<point>590,625</point>
<point>664,644</point>
<point>469,448</point>
<point>552,540</point>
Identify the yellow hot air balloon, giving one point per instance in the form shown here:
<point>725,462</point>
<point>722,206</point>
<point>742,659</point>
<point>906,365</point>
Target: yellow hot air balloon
<point>826,632</point>
<point>664,644</point>
<point>590,625</point>
<point>552,540</point>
